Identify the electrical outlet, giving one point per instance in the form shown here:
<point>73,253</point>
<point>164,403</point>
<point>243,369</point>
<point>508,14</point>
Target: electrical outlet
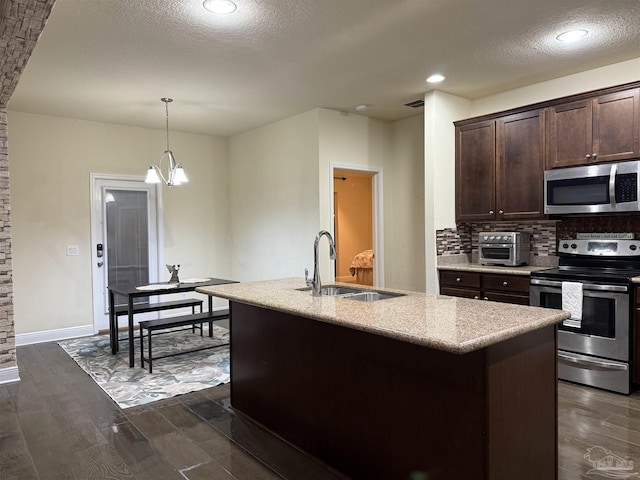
<point>73,250</point>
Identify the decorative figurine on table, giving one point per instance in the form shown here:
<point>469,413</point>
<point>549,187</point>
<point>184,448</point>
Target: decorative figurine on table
<point>173,270</point>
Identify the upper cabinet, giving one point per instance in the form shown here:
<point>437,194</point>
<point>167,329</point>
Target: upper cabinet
<point>601,129</point>
<point>501,158</point>
<point>476,171</point>
<point>499,166</point>
<point>520,165</point>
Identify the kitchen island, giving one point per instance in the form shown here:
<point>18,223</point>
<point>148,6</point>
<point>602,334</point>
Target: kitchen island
<point>412,387</point>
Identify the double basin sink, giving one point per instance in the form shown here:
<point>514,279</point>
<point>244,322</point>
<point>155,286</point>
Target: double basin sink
<point>352,293</point>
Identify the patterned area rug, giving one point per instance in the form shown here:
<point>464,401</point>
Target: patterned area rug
<point>172,376</point>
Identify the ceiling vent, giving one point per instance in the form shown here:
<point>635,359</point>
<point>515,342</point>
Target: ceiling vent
<point>415,104</point>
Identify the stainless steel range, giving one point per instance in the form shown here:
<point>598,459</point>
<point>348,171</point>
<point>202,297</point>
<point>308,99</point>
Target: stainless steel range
<point>594,345</point>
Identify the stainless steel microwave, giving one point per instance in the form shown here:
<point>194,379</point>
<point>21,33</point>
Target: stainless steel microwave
<point>604,188</point>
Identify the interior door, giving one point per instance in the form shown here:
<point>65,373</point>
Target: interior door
<point>125,230</point>
<point>353,224</point>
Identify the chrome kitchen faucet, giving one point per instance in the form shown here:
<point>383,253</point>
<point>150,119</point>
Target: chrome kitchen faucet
<point>315,284</point>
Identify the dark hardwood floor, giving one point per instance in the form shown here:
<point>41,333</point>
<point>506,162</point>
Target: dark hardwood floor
<point>56,423</point>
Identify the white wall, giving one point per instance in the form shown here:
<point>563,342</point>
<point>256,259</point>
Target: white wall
<point>347,141</point>
<point>273,187</point>
<point>440,111</point>
<point>50,162</point>
<point>404,206</point>
<point>603,77</point>
<point>281,184</point>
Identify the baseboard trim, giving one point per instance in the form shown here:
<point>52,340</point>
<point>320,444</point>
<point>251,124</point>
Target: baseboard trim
<point>53,335</point>
<point>9,375</point>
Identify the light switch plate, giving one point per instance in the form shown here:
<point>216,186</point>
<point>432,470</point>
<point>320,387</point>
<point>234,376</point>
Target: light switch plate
<point>73,250</point>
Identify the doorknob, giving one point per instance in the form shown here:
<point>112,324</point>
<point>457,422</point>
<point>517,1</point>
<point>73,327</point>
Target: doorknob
<point>100,264</point>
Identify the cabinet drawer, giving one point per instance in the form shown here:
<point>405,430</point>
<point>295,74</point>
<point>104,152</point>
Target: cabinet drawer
<point>506,298</point>
<point>460,292</point>
<point>460,279</point>
<point>506,283</point>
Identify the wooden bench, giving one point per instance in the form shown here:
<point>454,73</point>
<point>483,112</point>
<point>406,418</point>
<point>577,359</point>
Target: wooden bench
<point>175,322</point>
<point>122,310</point>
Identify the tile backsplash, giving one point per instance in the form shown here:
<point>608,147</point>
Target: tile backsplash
<point>464,238</point>
<point>600,224</point>
<point>544,233</point>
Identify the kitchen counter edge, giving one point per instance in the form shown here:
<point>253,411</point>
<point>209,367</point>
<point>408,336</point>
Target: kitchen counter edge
<point>462,325</point>
<point>476,267</point>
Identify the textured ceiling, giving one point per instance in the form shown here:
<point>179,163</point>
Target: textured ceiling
<point>112,60</point>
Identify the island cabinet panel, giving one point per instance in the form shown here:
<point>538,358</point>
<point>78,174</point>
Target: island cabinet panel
<point>601,129</point>
<point>495,287</point>
<point>476,171</point>
<point>636,341</point>
<point>370,406</point>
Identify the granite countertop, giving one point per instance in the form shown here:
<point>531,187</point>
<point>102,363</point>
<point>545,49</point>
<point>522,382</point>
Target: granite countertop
<point>451,324</point>
<point>476,267</point>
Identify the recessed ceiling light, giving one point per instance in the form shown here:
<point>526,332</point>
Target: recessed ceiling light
<point>571,35</point>
<point>435,78</point>
<point>220,6</point>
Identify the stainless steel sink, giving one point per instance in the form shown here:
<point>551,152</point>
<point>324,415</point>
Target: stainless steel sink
<point>352,293</point>
<point>372,296</point>
<point>334,290</point>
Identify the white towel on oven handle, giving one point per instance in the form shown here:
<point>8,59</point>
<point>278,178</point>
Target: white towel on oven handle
<point>572,299</point>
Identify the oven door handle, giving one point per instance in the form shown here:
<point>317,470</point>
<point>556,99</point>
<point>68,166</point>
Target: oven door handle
<point>585,286</point>
<point>591,362</point>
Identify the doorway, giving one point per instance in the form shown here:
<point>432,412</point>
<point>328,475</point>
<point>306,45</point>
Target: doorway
<point>125,238</point>
<point>354,221</point>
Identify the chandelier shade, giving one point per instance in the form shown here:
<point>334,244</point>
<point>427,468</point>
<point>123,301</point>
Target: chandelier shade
<point>175,172</point>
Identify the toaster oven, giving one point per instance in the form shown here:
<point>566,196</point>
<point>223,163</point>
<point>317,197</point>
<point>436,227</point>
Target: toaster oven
<point>503,248</point>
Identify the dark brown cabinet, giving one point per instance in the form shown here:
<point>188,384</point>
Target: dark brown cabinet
<point>520,166</point>
<point>495,287</point>
<point>499,167</point>
<point>601,129</point>
<point>636,339</point>
<point>476,171</point>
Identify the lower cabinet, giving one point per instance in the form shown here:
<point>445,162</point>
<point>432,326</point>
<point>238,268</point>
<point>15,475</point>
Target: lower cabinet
<point>486,286</point>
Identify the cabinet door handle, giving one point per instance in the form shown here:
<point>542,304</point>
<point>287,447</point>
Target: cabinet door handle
<point>594,155</point>
<point>501,212</point>
<point>486,298</point>
<point>458,279</point>
<point>588,156</point>
<point>504,284</point>
<point>476,297</point>
<point>490,212</point>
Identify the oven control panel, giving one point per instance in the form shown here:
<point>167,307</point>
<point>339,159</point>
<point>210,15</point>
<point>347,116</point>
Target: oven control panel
<point>600,247</point>
<point>503,237</point>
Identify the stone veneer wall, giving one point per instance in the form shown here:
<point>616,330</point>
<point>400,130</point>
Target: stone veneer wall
<point>7,330</point>
<point>21,23</point>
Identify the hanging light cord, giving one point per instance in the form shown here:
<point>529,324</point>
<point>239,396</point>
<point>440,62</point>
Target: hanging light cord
<point>166,106</point>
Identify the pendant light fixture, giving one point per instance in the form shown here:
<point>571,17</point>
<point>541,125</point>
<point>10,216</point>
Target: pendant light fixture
<point>175,172</point>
